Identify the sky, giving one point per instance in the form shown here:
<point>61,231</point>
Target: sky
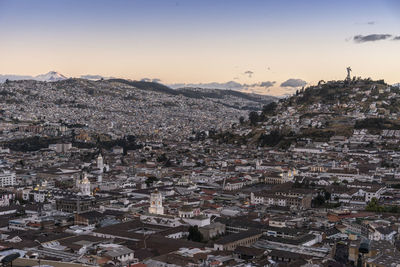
<point>269,47</point>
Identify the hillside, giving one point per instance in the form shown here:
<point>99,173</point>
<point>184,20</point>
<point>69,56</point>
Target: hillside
<point>118,107</point>
<point>335,108</point>
<point>201,93</point>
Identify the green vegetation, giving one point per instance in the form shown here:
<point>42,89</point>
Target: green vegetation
<point>377,123</point>
<point>36,143</point>
<point>195,234</point>
<point>271,139</point>
<point>320,201</point>
<point>150,181</point>
<point>374,206</point>
<point>31,143</point>
<point>127,143</point>
<point>268,110</point>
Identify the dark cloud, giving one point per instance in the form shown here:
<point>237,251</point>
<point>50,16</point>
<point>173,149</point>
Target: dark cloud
<point>212,85</point>
<point>397,38</point>
<point>92,77</point>
<point>249,73</point>
<point>369,23</point>
<point>267,84</point>
<point>231,85</point>
<point>155,80</point>
<point>228,85</point>
<point>293,83</point>
<point>370,38</point>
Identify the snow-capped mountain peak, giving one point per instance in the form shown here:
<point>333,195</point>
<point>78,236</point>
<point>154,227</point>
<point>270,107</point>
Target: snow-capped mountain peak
<point>50,77</point>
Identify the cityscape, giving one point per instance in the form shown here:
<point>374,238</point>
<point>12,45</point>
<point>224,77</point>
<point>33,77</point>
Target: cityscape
<point>193,168</point>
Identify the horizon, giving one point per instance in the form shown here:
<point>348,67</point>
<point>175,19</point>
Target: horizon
<point>211,86</point>
<point>260,47</point>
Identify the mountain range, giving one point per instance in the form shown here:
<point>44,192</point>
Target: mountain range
<point>51,76</point>
<point>210,90</point>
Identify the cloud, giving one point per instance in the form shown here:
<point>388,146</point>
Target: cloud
<point>92,77</point>
<point>212,85</point>
<point>259,88</point>
<point>397,38</point>
<point>267,84</point>
<point>13,77</point>
<point>368,23</point>
<point>155,80</point>
<point>370,38</point>
<point>249,73</point>
<point>293,83</point>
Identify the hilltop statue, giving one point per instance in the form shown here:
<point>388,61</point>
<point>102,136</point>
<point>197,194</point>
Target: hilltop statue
<point>348,73</point>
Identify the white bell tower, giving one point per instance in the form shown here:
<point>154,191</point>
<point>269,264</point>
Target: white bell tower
<point>156,206</point>
<point>84,186</point>
<point>100,163</point>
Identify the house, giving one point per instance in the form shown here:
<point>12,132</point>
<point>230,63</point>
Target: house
<point>119,253</point>
<point>88,218</point>
<point>212,230</point>
<point>230,242</point>
<point>383,233</point>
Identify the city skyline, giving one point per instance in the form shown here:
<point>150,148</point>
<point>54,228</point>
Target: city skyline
<point>255,46</point>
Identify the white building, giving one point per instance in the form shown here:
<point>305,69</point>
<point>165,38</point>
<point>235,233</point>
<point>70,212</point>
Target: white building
<point>383,233</point>
<point>84,185</point>
<point>156,206</point>
<point>7,178</point>
<point>100,163</point>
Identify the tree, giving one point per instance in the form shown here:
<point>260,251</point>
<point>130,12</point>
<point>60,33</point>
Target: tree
<point>327,195</point>
<point>253,117</point>
<point>162,158</point>
<point>168,163</point>
<point>149,181</point>
<point>272,139</point>
<point>318,201</point>
<point>270,108</point>
<point>373,205</point>
<point>195,234</point>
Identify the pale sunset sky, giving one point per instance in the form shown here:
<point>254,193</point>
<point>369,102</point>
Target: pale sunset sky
<point>249,45</point>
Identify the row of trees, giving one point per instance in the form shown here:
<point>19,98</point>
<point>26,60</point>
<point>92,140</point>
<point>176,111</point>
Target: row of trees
<point>268,110</point>
<point>374,206</point>
<point>376,123</point>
